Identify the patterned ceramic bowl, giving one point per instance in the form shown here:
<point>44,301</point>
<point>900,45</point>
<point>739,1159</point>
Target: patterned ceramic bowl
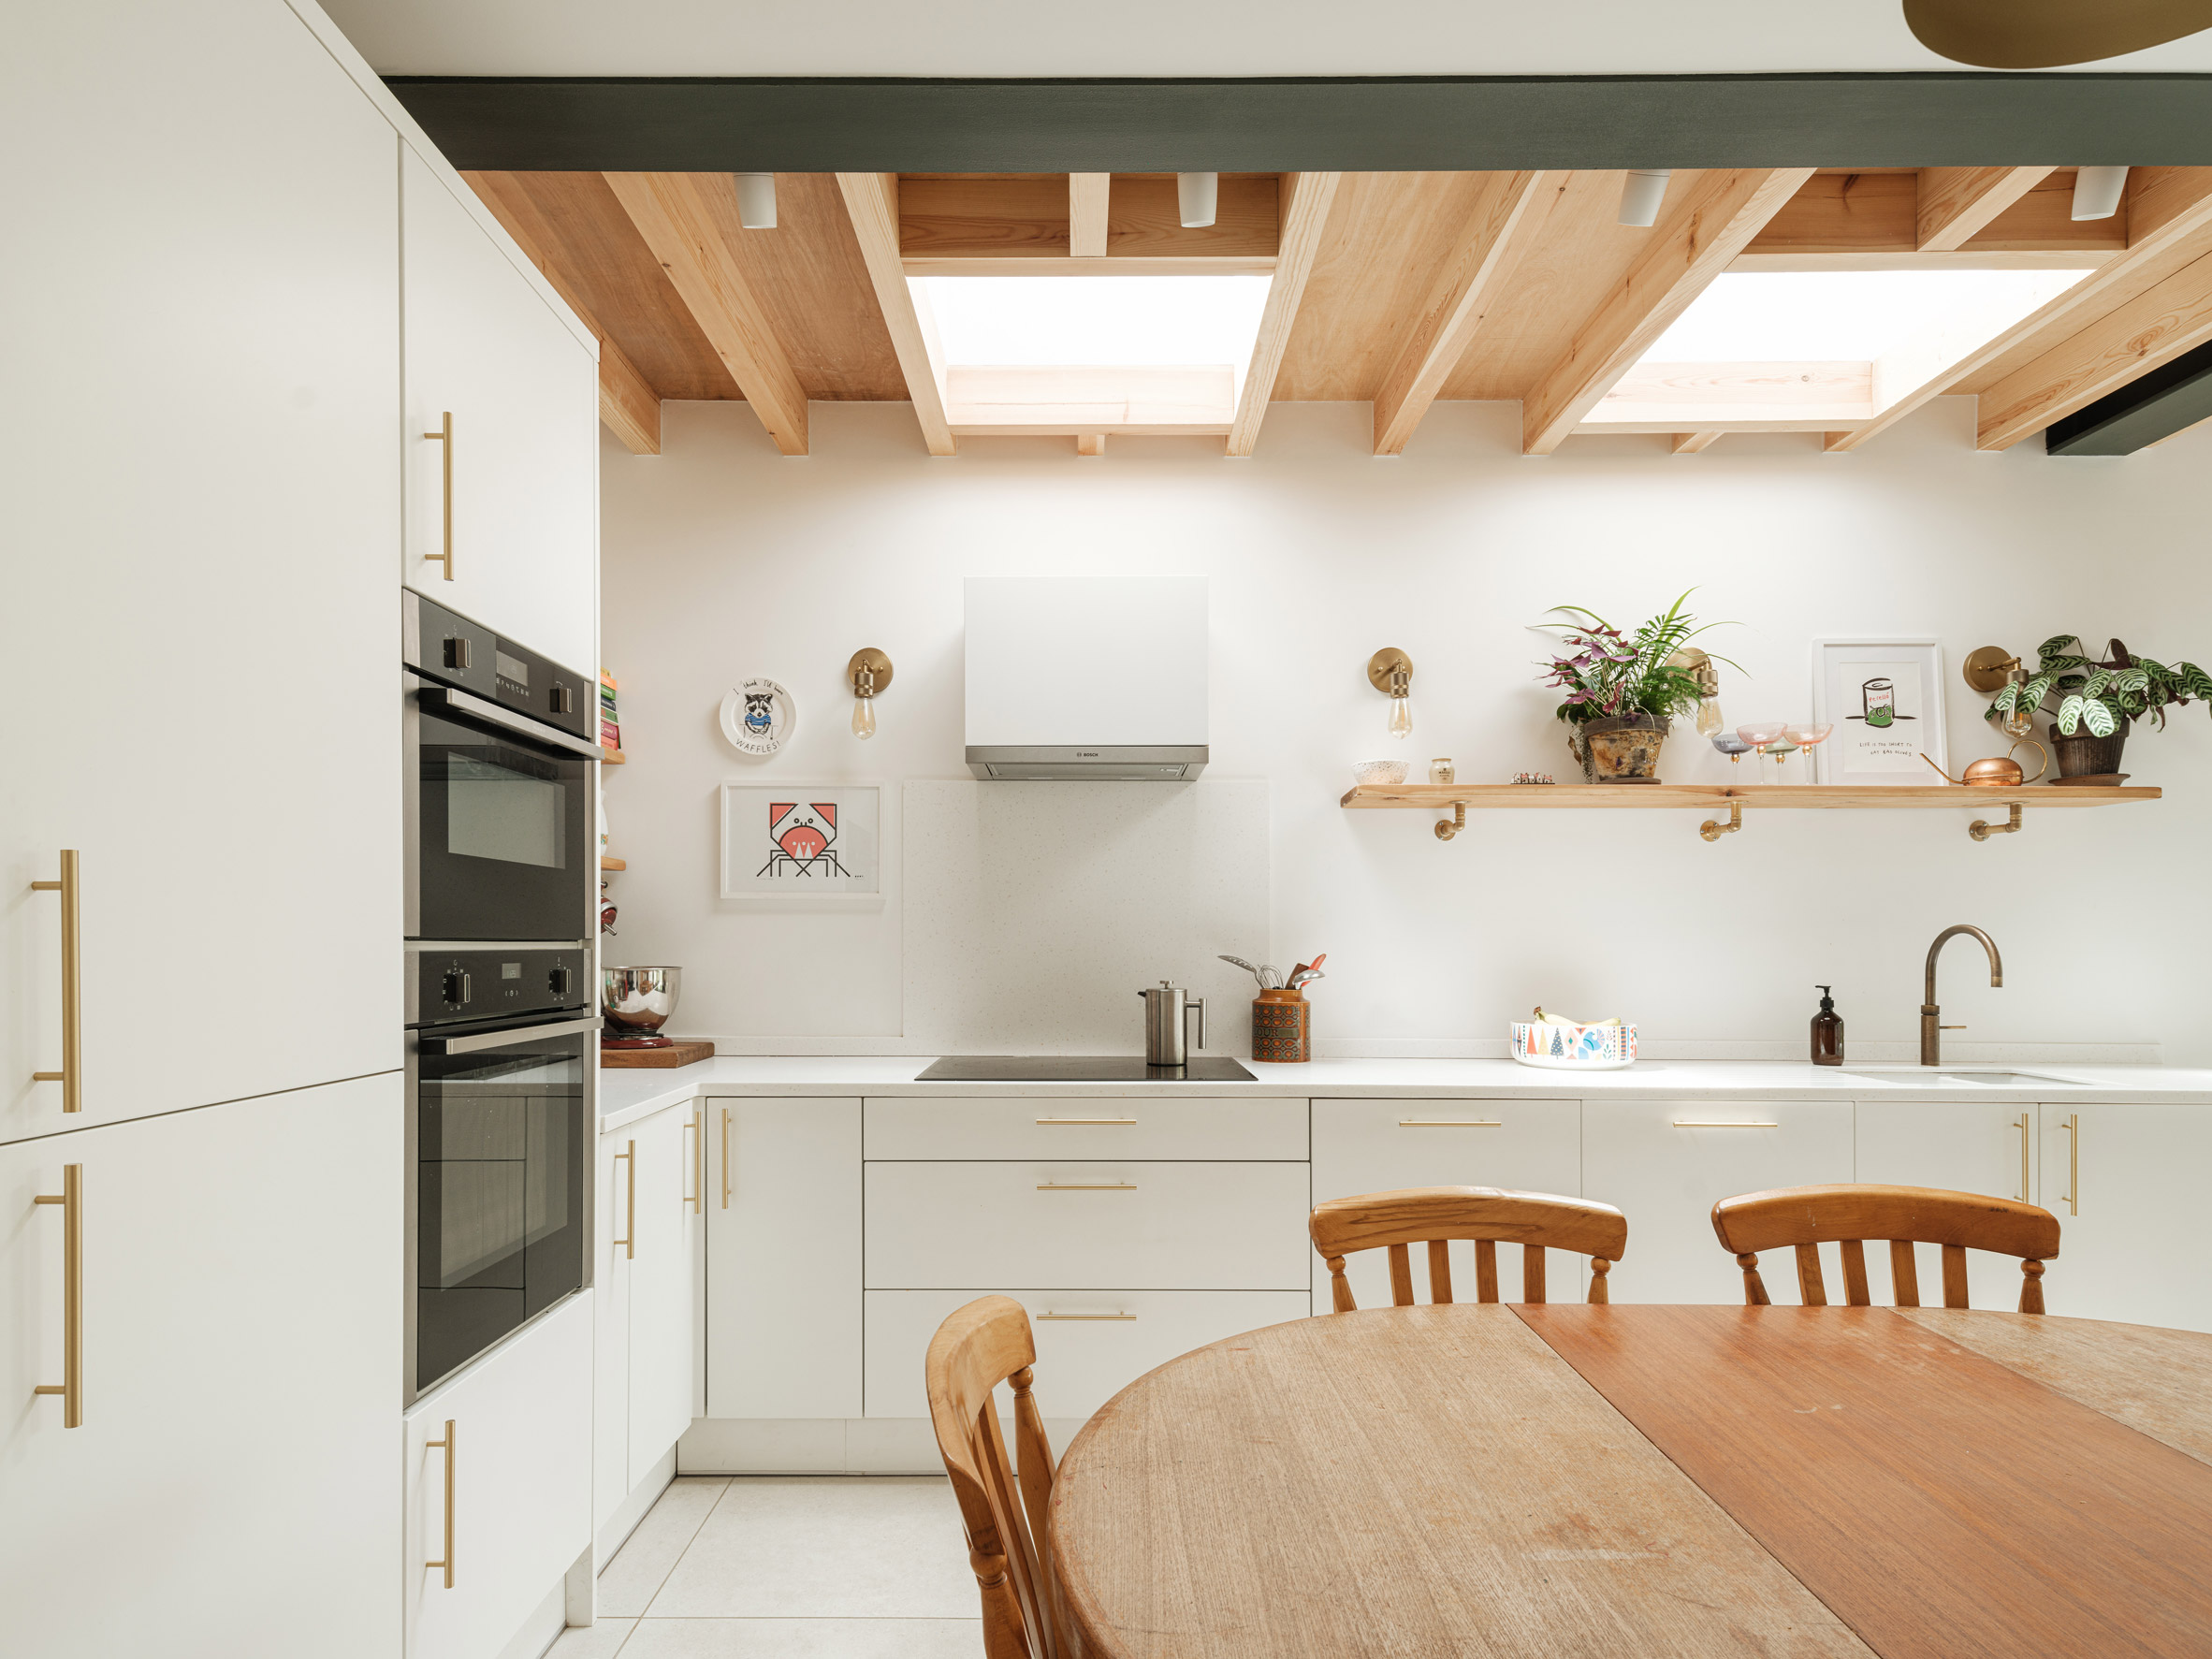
<point>1574,1048</point>
<point>1380,771</point>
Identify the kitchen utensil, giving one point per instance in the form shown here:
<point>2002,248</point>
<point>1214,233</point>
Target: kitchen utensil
<point>1271,977</point>
<point>636,1002</point>
<point>1305,977</point>
<point>1380,771</point>
<point>1249,967</point>
<point>1169,1011</point>
<point>1573,1048</point>
<point>1997,771</point>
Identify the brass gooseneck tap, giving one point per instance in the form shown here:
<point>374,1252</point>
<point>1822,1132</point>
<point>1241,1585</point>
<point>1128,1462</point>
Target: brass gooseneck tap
<point>1931,1040</point>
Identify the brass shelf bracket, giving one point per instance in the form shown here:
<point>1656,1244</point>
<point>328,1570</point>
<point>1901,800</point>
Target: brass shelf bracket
<point>1712,830</point>
<point>1982,829</point>
<point>1447,828</point>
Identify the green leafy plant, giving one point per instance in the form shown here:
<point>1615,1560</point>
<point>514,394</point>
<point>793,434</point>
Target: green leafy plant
<point>2078,690</point>
<point>1606,672</point>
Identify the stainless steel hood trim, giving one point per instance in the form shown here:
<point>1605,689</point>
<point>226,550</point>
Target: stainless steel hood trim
<point>1169,764</point>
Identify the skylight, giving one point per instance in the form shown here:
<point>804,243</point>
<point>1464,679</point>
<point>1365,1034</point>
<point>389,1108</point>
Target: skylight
<point>1094,321</point>
<point>1810,315</point>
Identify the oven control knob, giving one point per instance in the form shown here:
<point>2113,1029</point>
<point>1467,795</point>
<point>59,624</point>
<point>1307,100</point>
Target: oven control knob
<point>456,986</point>
<point>557,981</point>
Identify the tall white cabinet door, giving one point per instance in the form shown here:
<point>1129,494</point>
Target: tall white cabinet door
<point>1379,1145</point>
<point>663,1276</point>
<point>613,1244</point>
<point>231,1487</point>
<point>2127,1183</point>
<point>523,391</point>
<point>783,1243</point>
<point>518,1468</point>
<point>1961,1146</point>
<point>200,463</point>
<point>1666,1165</point>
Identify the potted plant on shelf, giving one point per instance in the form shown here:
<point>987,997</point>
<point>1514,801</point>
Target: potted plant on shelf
<point>1621,692</point>
<point>2093,704</point>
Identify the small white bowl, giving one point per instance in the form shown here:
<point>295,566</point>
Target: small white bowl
<point>1380,771</point>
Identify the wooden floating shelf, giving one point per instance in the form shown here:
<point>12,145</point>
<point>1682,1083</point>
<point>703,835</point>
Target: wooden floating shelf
<point>613,757</point>
<point>1443,797</point>
<point>612,863</point>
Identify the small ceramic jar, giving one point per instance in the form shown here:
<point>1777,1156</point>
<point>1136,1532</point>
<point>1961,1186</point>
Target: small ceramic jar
<point>1282,1026</point>
<point>1442,771</point>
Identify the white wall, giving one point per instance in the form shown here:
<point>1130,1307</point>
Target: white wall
<point>724,559</point>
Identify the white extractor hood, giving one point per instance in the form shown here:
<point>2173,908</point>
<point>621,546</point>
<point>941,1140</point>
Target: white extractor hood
<point>1095,678</point>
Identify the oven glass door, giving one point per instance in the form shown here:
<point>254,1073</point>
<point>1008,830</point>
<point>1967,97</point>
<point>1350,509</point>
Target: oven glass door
<point>504,843</point>
<point>502,1202</point>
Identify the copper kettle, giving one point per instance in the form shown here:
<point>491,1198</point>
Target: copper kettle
<point>1997,771</point>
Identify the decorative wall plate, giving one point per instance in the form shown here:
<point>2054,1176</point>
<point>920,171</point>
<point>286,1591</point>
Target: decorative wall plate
<point>759,717</point>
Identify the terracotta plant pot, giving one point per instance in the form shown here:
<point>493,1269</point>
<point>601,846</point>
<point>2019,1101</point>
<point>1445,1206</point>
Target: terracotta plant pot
<point>1619,748</point>
<point>2087,755</point>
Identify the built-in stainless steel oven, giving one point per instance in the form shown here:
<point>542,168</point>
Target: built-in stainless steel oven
<point>501,1060</point>
<point>500,814</point>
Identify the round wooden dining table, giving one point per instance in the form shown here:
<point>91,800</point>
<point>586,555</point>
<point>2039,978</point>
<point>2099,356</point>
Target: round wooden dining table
<point>1488,1479</point>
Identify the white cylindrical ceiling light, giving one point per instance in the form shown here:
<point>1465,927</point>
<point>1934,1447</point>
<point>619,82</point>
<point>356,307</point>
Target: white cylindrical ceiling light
<point>756,200</point>
<point>2097,191</point>
<point>1641,192</point>
<point>1194,194</point>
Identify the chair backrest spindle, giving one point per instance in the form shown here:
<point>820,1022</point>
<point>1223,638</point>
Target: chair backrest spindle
<point>1488,1216</point>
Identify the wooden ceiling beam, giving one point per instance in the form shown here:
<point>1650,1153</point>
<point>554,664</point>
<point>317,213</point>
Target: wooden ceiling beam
<point>1843,219</point>
<point>1087,197</point>
<point>1305,214</point>
<point>1956,203</point>
<point>1694,243</point>
<point>871,200</point>
<point>2169,213</point>
<point>1507,218</point>
<point>629,407</point>
<point>1692,443</point>
<point>684,218</point>
<point>953,226</point>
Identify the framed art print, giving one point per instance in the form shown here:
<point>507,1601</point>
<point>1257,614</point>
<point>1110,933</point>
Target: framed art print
<point>803,846</point>
<point>1885,700</point>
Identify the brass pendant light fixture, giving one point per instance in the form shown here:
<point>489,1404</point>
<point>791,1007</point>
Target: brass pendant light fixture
<point>2049,34</point>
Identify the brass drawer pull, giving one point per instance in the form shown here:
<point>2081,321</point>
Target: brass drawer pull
<point>1127,1316</point>
<point>698,1160</point>
<point>71,1387</point>
<point>628,1242</point>
<point>444,436</point>
<point>2024,1125</point>
<point>2073,1163</point>
<point>446,1444</point>
<point>1687,1123</point>
<point>725,1158</point>
<point>1087,1186</point>
<point>1087,1120</point>
<point>71,1075</point>
<point>1451,1123</point>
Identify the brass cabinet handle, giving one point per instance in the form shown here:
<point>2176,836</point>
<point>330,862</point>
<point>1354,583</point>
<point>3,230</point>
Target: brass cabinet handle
<point>71,1387</point>
<point>446,1562</point>
<point>1087,1186</point>
<point>2073,1163</point>
<point>71,1075</point>
<point>629,1242</point>
<point>1688,1123</point>
<point>698,1161</point>
<point>1115,1317</point>
<point>2023,1127</point>
<point>725,1158</point>
<point>444,436</point>
<point>1087,1120</point>
<point>1451,1123</point>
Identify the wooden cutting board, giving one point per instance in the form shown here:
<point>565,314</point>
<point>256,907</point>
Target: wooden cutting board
<point>681,1053</point>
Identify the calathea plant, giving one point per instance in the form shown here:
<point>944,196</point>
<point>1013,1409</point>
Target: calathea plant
<point>2081,693</point>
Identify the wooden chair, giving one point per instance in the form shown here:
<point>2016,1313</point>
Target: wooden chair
<point>1811,1217</point>
<point>981,1346</point>
<point>1537,1221</point>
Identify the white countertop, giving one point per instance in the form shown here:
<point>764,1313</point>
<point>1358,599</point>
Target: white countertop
<point>626,1094</point>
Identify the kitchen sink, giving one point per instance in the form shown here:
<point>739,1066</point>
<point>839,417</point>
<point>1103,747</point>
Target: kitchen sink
<point>1995,1077</point>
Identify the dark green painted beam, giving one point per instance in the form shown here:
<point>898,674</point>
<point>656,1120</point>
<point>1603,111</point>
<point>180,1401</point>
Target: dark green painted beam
<point>1405,123</point>
<point>2152,407</point>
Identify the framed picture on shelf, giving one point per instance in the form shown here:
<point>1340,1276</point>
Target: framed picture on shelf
<point>1885,700</point>
<point>803,846</point>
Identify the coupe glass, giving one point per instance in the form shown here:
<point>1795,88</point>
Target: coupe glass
<point>1732,746</point>
<point>1759,733</point>
<point>1807,738</point>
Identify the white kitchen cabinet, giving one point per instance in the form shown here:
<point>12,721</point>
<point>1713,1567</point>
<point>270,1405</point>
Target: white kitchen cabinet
<point>2127,1183</point>
<point>664,1278</point>
<point>610,1337</point>
<point>1098,1127</point>
<point>1961,1146</point>
<point>231,1488</point>
<point>1665,1165</point>
<point>522,388</point>
<point>202,479</point>
<point>517,1465</point>
<point>1380,1145</point>
<point>783,1259</point>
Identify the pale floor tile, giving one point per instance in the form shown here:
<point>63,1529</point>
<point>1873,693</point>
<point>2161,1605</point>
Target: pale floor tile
<point>600,1641</point>
<point>833,1548</point>
<point>627,1583</point>
<point>806,1638</point>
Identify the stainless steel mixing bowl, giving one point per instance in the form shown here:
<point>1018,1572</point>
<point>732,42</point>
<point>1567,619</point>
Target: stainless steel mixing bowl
<point>638,1001</point>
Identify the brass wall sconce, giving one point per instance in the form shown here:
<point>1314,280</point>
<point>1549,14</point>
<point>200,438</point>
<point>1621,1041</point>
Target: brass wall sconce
<point>867,674</point>
<point>1700,668</point>
<point>1988,671</point>
<point>1390,671</point>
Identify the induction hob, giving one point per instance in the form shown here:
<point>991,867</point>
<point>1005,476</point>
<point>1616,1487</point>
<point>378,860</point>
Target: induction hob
<point>1078,1069</point>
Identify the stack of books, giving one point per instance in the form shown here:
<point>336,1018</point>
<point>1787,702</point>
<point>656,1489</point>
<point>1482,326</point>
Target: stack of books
<point>610,725</point>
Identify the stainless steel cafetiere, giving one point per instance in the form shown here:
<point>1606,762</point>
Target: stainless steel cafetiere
<point>1169,1010</point>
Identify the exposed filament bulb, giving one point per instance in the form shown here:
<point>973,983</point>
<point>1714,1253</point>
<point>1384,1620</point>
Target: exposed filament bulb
<point>864,717</point>
<point>1401,717</point>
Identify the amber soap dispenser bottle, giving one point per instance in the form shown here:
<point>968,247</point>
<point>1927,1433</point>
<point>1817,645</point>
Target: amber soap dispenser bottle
<point>1828,1032</point>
